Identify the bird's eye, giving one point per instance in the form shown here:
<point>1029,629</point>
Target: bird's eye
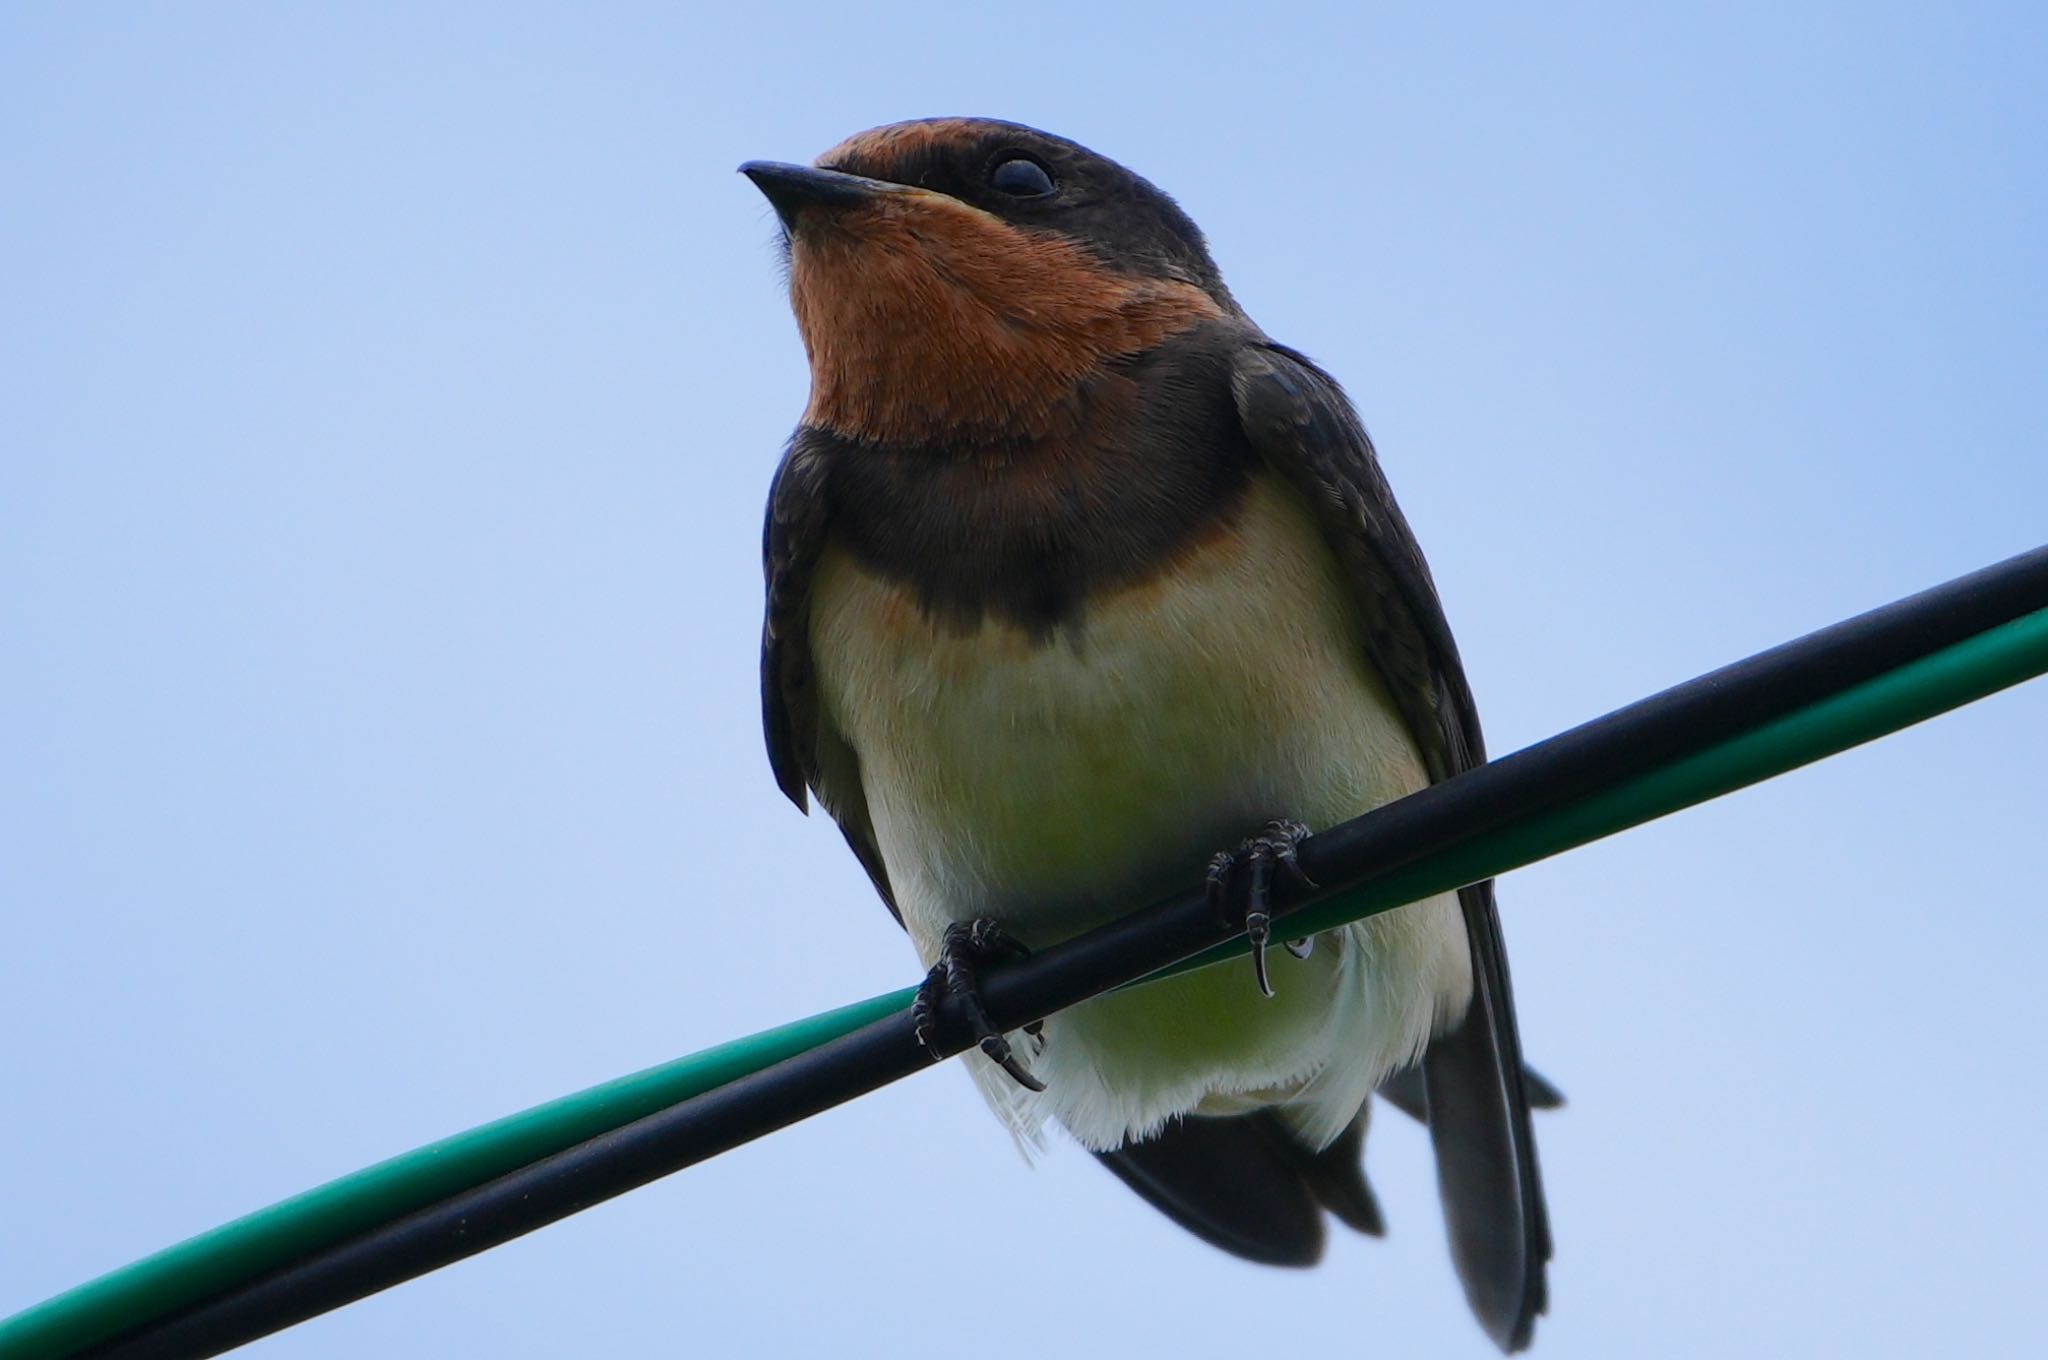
<point>1021,178</point>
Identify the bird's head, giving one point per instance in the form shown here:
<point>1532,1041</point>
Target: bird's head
<point>957,278</point>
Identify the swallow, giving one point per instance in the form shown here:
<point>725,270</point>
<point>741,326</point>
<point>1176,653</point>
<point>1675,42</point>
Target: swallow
<point>1082,590</point>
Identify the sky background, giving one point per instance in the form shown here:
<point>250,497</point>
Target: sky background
<point>388,396</point>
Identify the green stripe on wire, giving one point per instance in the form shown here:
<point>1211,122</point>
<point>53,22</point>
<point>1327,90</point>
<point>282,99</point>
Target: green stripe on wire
<point>251,1246</point>
<point>1995,659</point>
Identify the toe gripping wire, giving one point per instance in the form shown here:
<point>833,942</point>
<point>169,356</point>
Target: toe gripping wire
<point>954,984</point>
<point>1239,885</point>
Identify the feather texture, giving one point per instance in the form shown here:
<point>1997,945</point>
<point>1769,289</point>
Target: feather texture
<point>1053,783</point>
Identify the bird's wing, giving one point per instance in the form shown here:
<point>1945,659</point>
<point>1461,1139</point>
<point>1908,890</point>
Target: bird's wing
<point>1300,423</point>
<point>804,749</point>
<point>1246,1183</point>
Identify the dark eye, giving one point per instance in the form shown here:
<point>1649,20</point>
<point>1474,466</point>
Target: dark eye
<point>1021,178</point>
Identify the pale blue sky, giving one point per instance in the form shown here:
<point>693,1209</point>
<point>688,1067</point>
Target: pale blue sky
<point>387,403</point>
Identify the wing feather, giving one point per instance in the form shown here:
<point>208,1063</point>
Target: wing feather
<point>1299,421</point>
<point>805,751</point>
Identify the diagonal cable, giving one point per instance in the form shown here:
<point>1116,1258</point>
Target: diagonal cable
<point>1774,712</point>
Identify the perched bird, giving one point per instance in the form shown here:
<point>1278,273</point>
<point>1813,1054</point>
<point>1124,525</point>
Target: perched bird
<point>1075,580</point>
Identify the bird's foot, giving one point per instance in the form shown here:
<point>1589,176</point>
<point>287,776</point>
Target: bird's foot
<point>1240,888</point>
<point>967,948</point>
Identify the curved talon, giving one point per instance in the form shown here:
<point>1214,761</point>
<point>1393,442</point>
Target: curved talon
<point>996,1049</point>
<point>1301,948</point>
<point>968,945</point>
<point>1258,957</point>
<point>1258,922</point>
<point>1257,855</point>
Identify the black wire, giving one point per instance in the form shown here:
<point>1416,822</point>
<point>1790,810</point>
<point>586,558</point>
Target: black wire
<point>1629,742</point>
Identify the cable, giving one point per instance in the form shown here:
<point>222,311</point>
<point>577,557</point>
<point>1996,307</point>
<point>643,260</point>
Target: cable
<point>1783,708</point>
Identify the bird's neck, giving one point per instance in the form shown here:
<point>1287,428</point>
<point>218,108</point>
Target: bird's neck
<point>914,344</point>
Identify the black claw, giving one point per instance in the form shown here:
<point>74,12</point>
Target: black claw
<point>1257,855</point>
<point>997,1050</point>
<point>1258,923</point>
<point>968,946</point>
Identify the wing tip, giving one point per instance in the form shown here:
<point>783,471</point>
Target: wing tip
<point>1241,1185</point>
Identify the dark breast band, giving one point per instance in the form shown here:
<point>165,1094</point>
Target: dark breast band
<point>1148,464</point>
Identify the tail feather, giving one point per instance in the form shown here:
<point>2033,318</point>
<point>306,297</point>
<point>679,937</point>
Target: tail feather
<point>1247,1184</point>
<point>1336,1177</point>
<point>1404,1091</point>
<point>1478,1104</point>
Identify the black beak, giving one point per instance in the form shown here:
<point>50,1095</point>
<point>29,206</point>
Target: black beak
<point>793,188</point>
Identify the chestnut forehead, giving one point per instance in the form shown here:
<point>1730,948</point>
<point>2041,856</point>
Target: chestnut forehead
<point>1124,220</point>
<point>904,141</point>
<point>911,152</point>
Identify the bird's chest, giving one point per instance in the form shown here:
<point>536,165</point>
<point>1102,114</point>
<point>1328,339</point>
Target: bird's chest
<point>1050,779</point>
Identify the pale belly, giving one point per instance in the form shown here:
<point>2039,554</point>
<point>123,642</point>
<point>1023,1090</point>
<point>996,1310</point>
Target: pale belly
<point>1052,783</point>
